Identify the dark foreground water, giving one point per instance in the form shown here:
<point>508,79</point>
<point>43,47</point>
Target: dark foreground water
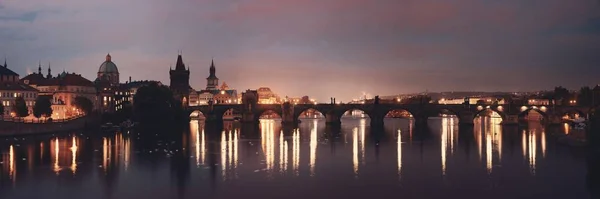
<point>311,162</point>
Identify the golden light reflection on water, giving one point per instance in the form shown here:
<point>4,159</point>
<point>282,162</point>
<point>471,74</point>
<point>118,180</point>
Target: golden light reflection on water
<point>202,149</point>
<point>543,142</point>
<point>444,141</point>
<point>268,142</point>
<point>488,135</point>
<point>198,138</point>
<point>566,128</point>
<point>399,151</point>
<point>56,167</point>
<point>223,155</point>
<point>283,153</point>
<point>313,147</point>
<point>11,163</point>
<point>296,152</point>
<point>532,152</point>
<point>74,155</point>
<point>229,153</point>
<point>362,129</point>
<point>355,150</point>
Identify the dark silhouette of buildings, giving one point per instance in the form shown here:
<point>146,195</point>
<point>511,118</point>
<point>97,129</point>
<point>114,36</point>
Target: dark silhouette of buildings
<point>180,81</point>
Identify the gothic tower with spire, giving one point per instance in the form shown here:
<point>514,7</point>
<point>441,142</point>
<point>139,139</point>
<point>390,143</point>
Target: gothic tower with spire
<point>212,82</point>
<point>180,81</point>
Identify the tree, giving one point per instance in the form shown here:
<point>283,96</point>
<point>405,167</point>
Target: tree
<point>155,104</point>
<point>42,107</point>
<point>20,108</point>
<point>84,104</point>
<point>561,95</point>
<point>584,97</point>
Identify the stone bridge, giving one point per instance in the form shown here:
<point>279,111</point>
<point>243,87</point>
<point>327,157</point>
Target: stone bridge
<point>511,113</point>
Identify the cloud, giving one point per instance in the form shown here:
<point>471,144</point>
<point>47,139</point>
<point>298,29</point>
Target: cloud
<point>317,48</point>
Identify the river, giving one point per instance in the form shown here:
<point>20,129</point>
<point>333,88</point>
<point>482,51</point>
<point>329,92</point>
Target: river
<point>312,161</point>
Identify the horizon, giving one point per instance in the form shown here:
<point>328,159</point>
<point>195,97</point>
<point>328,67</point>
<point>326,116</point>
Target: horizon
<point>331,48</point>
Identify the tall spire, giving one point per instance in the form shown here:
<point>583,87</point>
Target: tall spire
<point>40,67</point>
<point>49,71</point>
<point>212,69</point>
<point>5,65</point>
<point>179,65</point>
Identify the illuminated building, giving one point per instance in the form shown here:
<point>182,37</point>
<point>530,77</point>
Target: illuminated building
<point>107,84</point>
<point>63,89</point>
<point>538,102</point>
<point>266,96</point>
<point>11,88</point>
<point>214,93</point>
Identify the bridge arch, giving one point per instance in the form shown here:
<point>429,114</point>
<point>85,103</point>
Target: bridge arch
<point>197,114</point>
<point>268,114</point>
<point>231,114</point>
<point>312,111</point>
<point>525,112</point>
<point>489,110</point>
<point>350,110</point>
<point>398,113</point>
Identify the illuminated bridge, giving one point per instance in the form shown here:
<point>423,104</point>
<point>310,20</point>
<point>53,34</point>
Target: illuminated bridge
<point>511,114</point>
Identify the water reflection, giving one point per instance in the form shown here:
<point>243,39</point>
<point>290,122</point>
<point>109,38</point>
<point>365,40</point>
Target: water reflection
<point>313,147</point>
<point>488,134</point>
<point>399,152</point>
<point>296,152</point>
<point>355,150</point>
<point>272,171</point>
<point>268,142</point>
<point>74,155</point>
<point>283,154</point>
<point>11,163</point>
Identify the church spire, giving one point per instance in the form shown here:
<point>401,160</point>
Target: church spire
<point>49,71</point>
<point>212,69</point>
<point>40,67</point>
<point>5,65</point>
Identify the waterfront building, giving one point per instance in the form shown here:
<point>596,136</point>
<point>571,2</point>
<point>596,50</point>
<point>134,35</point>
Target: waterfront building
<point>11,88</point>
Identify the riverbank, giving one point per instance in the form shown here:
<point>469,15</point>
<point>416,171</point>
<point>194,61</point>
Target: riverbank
<point>573,137</point>
<point>9,128</point>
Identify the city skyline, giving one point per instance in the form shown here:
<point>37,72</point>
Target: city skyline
<point>322,49</point>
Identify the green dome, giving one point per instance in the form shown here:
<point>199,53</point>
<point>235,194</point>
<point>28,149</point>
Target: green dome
<point>108,66</point>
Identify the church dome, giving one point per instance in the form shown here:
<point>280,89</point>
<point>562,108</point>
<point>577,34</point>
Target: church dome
<point>108,66</point>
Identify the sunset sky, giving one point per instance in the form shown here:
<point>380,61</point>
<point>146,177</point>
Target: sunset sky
<point>320,48</point>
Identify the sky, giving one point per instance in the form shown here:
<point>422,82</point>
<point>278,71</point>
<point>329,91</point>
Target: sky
<point>319,48</point>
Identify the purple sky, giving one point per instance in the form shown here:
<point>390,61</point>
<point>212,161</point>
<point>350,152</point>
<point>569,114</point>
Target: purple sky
<point>320,48</point>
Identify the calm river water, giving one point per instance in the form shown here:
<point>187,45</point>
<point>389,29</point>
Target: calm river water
<point>309,162</point>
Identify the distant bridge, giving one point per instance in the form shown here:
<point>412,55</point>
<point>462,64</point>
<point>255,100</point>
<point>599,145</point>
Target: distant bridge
<point>510,113</point>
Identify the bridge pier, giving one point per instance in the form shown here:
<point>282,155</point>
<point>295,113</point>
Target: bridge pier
<point>510,120</point>
<point>465,120</point>
<point>376,123</point>
<point>332,119</point>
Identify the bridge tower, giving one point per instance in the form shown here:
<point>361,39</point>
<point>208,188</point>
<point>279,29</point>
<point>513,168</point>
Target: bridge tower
<point>287,116</point>
<point>249,101</point>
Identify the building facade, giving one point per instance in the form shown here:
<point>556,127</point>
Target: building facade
<point>11,88</point>
<point>62,90</point>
